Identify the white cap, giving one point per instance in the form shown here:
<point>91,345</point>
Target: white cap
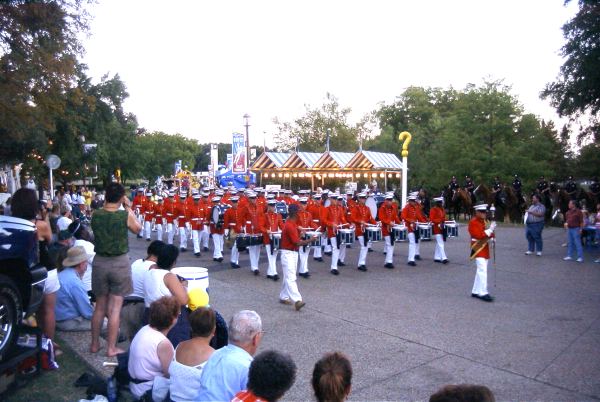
<point>196,196</point>
<point>251,194</point>
<point>271,202</point>
<point>480,207</point>
<point>303,199</point>
<point>234,198</point>
<point>390,196</point>
<point>362,195</point>
<point>438,199</point>
<point>215,199</point>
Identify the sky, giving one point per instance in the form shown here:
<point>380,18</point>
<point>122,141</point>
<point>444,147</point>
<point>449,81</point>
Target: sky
<point>197,67</point>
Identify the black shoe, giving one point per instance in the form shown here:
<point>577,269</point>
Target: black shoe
<point>389,265</point>
<point>234,265</point>
<point>205,249</point>
<point>215,259</point>
<point>335,272</point>
<point>417,257</point>
<point>341,264</point>
<point>305,275</point>
<point>348,246</point>
<point>275,277</point>
<point>197,254</point>
<point>327,253</point>
<point>440,261</point>
<point>139,236</point>
<point>220,259</point>
<point>445,261</point>
<point>370,250</point>
<point>320,259</point>
<point>148,239</point>
<point>182,249</point>
<point>487,298</point>
<point>256,272</point>
<point>362,268</point>
<point>269,276</point>
<point>475,295</point>
<point>412,263</point>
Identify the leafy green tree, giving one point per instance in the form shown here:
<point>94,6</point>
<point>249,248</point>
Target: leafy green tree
<point>159,152</point>
<point>576,92</point>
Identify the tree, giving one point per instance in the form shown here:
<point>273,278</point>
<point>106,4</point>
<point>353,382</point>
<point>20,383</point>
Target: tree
<point>38,58</point>
<point>159,152</point>
<point>576,92</point>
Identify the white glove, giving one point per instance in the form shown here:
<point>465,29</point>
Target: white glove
<point>226,232</point>
<point>493,226</point>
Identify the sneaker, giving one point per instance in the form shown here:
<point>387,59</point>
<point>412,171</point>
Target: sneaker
<point>567,258</point>
<point>528,252</point>
<point>539,253</point>
<point>580,260</point>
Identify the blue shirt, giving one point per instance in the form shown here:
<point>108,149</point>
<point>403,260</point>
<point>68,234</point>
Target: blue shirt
<point>72,300</point>
<point>225,374</point>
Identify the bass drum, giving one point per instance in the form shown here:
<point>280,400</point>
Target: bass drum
<point>372,204</point>
<point>282,209</point>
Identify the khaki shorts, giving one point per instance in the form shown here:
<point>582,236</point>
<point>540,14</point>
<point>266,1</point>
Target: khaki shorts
<point>111,275</point>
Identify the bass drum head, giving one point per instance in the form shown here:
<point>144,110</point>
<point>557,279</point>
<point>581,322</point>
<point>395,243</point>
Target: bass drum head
<point>372,204</point>
<point>214,214</point>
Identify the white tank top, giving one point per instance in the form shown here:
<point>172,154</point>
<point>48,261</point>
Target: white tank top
<point>154,285</point>
<point>185,380</point>
<point>144,363</point>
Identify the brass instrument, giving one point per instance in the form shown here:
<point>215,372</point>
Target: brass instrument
<point>230,238</point>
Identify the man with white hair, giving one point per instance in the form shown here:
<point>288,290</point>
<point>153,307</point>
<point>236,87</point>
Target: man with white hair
<point>226,372</point>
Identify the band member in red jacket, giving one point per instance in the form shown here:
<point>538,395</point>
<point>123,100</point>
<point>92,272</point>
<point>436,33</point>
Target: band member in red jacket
<point>170,214</point>
<point>388,215</point>
<point>148,210</point>
<point>159,217</point>
<point>305,221</point>
<point>360,216</point>
<point>412,214</point>
<point>480,251</point>
<point>216,230</point>
<point>196,215</point>
<point>254,220</point>
<point>314,207</point>
<point>333,218</point>
<point>437,216</point>
<point>231,223</point>
<point>182,214</point>
<point>137,202</point>
<point>273,224</point>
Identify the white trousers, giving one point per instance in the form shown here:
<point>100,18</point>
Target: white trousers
<point>413,247</point>
<point>364,250</point>
<point>159,231</point>
<point>254,252</point>
<point>147,229</point>
<point>389,250</point>
<point>318,252</point>
<point>196,240</point>
<point>480,284</point>
<point>303,259</point>
<point>289,287</point>
<point>170,233</point>
<point>183,240</point>
<point>272,270</point>
<point>337,254</point>
<point>324,241</point>
<point>217,245</point>
<point>440,253</point>
<point>140,218</point>
<point>205,235</point>
<point>235,254</point>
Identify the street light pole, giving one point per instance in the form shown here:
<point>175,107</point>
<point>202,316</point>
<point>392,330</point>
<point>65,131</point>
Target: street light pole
<point>247,117</point>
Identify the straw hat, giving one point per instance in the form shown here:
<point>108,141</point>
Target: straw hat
<point>75,256</point>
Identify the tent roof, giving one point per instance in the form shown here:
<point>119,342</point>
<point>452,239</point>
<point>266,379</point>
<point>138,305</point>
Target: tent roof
<point>270,160</point>
<point>374,160</point>
<point>301,160</point>
<point>332,160</point>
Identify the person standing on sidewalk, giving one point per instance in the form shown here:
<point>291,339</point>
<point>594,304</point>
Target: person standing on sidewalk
<point>574,226</point>
<point>534,226</point>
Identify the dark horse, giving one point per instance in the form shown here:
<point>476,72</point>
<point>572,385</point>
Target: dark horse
<point>514,206</point>
<point>461,199</point>
<point>483,193</point>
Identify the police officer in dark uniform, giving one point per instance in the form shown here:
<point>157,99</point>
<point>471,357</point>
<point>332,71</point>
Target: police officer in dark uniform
<point>516,185</point>
<point>470,187</point>
<point>542,186</point>
<point>595,187</point>
<point>571,188</point>
<point>496,189</point>
<point>453,184</point>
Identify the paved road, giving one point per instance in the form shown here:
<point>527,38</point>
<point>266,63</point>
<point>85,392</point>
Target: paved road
<point>410,330</point>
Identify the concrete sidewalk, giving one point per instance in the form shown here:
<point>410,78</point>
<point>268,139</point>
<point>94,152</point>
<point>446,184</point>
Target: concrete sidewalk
<point>411,330</point>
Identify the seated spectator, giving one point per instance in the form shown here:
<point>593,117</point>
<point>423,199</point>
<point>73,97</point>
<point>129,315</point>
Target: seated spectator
<point>332,378</point>
<point>151,352</point>
<point>64,221</point>
<point>159,282</point>
<point>133,305</point>
<point>226,372</point>
<point>270,376</point>
<point>199,298</point>
<point>191,356</point>
<point>73,309</point>
<point>84,239</point>
<point>463,393</point>
<point>58,251</point>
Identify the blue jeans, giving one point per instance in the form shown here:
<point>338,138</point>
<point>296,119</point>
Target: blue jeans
<point>574,240</point>
<point>533,232</point>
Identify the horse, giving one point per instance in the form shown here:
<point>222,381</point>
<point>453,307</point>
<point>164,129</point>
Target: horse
<point>451,203</point>
<point>462,199</point>
<point>513,204</point>
<point>594,200</point>
<point>486,195</point>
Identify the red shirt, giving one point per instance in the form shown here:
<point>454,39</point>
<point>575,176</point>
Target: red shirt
<point>411,215</point>
<point>388,217</point>
<point>437,216</point>
<point>477,232</point>
<point>274,223</point>
<point>290,237</point>
<point>246,396</point>
<point>359,215</point>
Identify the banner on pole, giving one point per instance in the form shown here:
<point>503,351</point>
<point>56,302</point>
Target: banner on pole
<point>238,150</point>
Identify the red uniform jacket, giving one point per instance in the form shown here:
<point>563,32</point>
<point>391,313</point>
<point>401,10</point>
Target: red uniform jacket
<point>333,216</point>
<point>158,212</point>
<point>137,202</point>
<point>315,212</point>
<point>148,208</point>
<point>182,213</point>
<point>213,226</point>
<point>477,232</point>
<point>411,214</point>
<point>252,214</point>
<point>169,210</point>
<point>388,215</point>
<point>359,215</point>
<point>305,220</point>
<point>437,216</point>
<point>231,219</point>
<point>196,216</point>
<point>272,222</point>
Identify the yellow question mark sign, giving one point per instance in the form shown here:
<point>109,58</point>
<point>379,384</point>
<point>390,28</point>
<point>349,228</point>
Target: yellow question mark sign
<point>406,137</point>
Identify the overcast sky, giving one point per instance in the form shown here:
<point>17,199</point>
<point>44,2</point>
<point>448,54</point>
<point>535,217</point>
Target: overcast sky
<point>196,67</point>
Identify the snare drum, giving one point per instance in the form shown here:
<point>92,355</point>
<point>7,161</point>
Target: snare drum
<point>255,239</point>
<point>346,236</point>
<point>316,242</point>
<point>373,233</point>
<point>451,229</point>
<point>400,232</point>
<point>275,240</point>
<point>424,231</point>
<point>242,241</point>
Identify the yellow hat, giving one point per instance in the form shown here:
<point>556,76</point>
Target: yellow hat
<point>197,298</point>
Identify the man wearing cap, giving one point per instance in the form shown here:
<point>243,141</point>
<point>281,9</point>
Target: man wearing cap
<point>182,214</point>
<point>290,243</point>
<point>470,187</point>
<point>333,219</point>
<point>412,215</point>
<point>360,215</point>
<point>305,222</point>
<point>273,224</point>
<point>216,230</point>
<point>147,215</point>
<point>254,221</point>
<point>205,233</point>
<point>138,202</point>
<point>571,188</point>
<point>437,216</point>
<point>170,213</point>
<point>73,309</point>
<point>453,185</point>
<point>231,223</point>
<point>325,203</point>
<point>516,185</point>
<point>480,251</point>
<point>158,217</point>
<point>388,215</point>
<point>196,214</point>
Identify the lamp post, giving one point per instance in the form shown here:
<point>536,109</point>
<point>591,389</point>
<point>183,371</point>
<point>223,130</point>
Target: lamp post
<point>247,125</point>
